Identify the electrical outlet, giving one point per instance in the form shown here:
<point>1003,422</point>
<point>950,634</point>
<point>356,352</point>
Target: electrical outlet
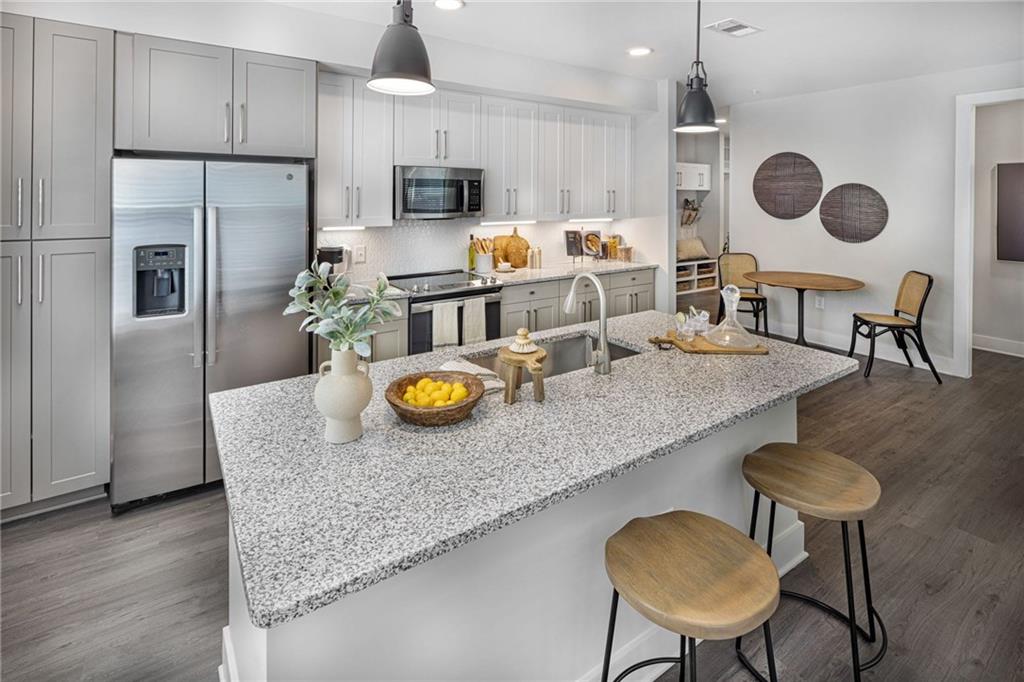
<point>819,301</point>
<point>359,254</point>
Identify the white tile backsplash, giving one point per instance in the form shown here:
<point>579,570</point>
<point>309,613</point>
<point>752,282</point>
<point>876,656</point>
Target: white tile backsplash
<point>412,246</point>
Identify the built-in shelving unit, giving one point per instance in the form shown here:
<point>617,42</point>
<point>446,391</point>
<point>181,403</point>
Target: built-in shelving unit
<point>695,276</point>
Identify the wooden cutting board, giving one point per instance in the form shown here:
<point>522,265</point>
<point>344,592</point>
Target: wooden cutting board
<point>702,346</point>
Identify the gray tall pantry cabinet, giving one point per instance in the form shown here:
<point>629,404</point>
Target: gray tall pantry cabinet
<point>57,146</point>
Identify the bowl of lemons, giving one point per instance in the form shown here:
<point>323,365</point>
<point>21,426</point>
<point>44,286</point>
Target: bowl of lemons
<point>434,398</point>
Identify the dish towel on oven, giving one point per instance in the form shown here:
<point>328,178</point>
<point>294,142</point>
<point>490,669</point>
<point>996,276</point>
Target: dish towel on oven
<point>474,321</point>
<point>445,320</point>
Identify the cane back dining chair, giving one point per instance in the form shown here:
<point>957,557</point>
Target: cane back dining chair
<point>731,270</point>
<point>910,300</point>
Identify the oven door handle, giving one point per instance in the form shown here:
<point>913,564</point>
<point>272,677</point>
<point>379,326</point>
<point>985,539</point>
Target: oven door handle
<point>427,307</point>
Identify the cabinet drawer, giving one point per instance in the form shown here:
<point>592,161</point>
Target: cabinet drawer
<point>564,285</point>
<point>631,279</point>
<point>529,292</point>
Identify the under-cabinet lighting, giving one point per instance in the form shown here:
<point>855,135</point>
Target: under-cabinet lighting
<point>590,220</point>
<point>343,228</point>
<point>449,4</point>
<point>508,222</point>
<point>639,51</point>
<point>721,120</point>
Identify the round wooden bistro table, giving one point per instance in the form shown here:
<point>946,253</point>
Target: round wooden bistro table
<point>802,281</point>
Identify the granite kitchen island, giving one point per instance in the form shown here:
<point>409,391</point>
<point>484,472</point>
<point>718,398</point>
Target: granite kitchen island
<point>475,551</point>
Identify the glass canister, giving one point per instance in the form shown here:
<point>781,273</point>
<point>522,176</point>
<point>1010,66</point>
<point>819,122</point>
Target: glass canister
<point>730,333</point>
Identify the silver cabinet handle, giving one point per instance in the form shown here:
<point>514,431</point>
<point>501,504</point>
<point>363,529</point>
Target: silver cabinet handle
<point>40,202</point>
<point>568,201</point>
<point>607,201</point>
<point>197,286</point>
<point>41,263</point>
<point>359,201</point>
<point>437,144</point>
<point>679,179</point>
<point>446,144</point>
<point>615,202</point>
<point>227,121</point>
<point>508,201</point>
<point>20,183</point>
<point>561,201</point>
<point>211,285</point>
<point>526,317</point>
<point>515,201</point>
<point>348,201</point>
<point>19,281</point>
<point>241,122</point>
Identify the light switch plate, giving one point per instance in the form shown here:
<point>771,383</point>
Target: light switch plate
<point>819,301</point>
<point>359,254</point>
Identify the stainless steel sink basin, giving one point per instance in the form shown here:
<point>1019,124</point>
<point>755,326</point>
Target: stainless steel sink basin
<point>564,355</point>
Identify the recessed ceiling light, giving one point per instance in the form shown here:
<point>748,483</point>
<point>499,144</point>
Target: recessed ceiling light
<point>449,4</point>
<point>639,51</point>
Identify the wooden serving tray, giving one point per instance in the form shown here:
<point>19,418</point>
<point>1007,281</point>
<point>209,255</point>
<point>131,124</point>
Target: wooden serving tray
<point>702,346</point>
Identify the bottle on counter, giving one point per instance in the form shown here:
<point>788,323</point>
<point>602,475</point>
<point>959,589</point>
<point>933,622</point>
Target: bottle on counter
<point>537,258</point>
<point>471,257</point>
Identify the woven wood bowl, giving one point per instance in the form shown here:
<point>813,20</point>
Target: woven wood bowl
<point>434,416</point>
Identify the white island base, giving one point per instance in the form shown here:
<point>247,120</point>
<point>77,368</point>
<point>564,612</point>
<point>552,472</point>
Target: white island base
<point>528,602</point>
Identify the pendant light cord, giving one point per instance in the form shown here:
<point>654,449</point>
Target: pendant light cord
<point>697,67</point>
<point>698,31</point>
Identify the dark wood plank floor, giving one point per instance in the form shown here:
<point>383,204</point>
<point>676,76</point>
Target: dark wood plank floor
<point>143,596</point>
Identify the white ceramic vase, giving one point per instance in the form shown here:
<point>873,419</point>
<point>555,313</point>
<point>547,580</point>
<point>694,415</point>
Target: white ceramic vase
<point>342,393</point>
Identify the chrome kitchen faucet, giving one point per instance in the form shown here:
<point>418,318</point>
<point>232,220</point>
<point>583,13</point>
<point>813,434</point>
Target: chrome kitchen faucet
<point>601,356</point>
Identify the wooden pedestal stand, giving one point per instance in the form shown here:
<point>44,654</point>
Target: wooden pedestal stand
<point>512,365</point>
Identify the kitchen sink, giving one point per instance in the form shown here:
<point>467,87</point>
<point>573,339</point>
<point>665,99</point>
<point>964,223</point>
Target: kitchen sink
<point>564,355</point>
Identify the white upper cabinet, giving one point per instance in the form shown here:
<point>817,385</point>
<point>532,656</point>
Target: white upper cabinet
<point>354,153</point>
<point>609,160</point>
<point>72,138</point>
<point>178,96</point>
<point>16,123</point>
<point>275,105</point>
<point>441,129</point>
<point>693,176</point>
<point>510,134</point>
<point>564,163</point>
<point>181,99</point>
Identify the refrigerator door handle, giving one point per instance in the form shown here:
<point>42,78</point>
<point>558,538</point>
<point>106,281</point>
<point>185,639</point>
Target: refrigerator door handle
<point>197,287</point>
<point>211,285</point>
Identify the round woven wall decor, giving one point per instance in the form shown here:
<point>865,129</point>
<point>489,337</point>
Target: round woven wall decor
<point>854,213</point>
<point>787,185</point>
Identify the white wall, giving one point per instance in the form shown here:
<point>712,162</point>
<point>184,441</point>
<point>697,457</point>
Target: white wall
<point>998,285</point>
<point>280,29</point>
<point>896,136</point>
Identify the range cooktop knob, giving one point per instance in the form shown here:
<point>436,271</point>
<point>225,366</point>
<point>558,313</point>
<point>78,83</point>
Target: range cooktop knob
<point>415,288</point>
<point>426,286</point>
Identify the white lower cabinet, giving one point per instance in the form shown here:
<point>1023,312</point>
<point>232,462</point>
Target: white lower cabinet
<point>15,373</point>
<point>70,365</point>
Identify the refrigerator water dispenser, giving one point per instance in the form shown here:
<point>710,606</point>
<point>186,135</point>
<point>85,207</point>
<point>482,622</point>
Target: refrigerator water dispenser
<point>159,280</point>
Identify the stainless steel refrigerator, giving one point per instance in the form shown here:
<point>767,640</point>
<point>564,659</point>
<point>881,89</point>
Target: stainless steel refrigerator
<point>203,256</point>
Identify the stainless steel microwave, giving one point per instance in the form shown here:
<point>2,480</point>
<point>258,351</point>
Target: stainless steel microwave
<point>433,193</point>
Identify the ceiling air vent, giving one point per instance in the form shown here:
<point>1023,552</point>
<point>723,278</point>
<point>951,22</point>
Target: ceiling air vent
<point>734,28</point>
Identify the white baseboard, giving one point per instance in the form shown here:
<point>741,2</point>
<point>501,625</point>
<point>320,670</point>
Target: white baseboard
<point>994,344</point>
<point>227,671</point>
<point>885,349</point>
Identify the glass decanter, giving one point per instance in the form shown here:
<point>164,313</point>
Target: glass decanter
<point>730,333</point>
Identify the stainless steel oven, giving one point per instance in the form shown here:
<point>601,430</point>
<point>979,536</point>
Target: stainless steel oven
<point>433,193</point>
<point>421,322</point>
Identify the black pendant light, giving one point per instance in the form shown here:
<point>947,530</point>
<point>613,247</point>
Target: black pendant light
<point>401,65</point>
<point>696,111</point>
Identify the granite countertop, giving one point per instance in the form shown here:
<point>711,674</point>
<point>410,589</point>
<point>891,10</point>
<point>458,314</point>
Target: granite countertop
<point>566,270</point>
<point>314,522</point>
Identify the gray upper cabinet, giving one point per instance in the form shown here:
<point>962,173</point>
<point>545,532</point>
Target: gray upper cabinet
<point>15,374</point>
<point>72,141</point>
<point>16,121</point>
<point>70,366</point>
<point>180,98</point>
<point>275,105</point>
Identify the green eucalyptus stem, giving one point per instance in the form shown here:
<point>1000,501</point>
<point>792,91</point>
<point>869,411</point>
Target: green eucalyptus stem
<point>339,310</point>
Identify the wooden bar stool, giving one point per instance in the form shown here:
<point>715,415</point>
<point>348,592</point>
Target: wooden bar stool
<point>824,485</point>
<point>695,576</point>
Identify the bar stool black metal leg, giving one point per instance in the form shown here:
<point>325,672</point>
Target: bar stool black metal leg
<point>854,644</point>
<point>693,659</point>
<point>769,650</point>
<point>683,639</point>
<point>611,635</point>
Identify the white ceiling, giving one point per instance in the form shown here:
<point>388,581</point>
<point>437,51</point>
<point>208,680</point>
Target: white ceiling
<point>806,46</point>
